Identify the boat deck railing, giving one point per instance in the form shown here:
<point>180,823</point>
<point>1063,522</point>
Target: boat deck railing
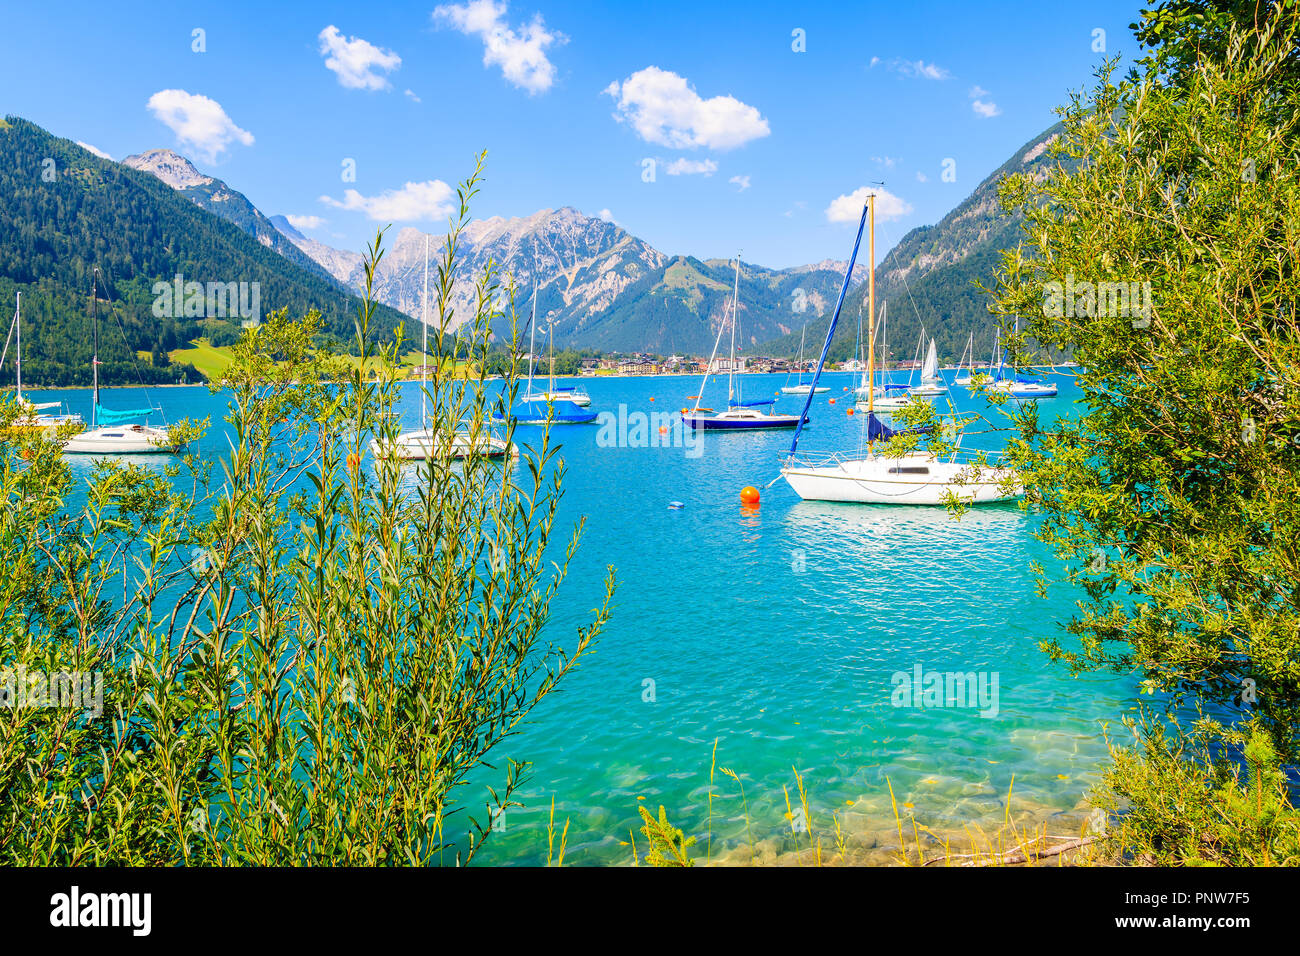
<point>961,456</point>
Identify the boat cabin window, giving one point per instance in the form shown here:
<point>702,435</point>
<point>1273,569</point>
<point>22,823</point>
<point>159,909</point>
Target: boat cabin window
<point>896,470</point>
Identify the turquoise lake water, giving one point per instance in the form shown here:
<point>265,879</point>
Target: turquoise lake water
<point>777,632</point>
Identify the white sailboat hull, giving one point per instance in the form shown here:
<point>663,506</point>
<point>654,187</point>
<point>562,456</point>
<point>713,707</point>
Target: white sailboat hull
<point>121,440</point>
<point>573,396</point>
<point>880,404</point>
<point>884,398</point>
<point>803,389</point>
<point>421,444</point>
<point>911,480</point>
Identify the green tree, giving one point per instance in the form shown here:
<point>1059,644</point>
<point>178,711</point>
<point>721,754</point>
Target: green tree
<point>1176,492</point>
<point>310,675</point>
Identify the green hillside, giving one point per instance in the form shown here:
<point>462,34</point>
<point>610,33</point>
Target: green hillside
<point>64,211</point>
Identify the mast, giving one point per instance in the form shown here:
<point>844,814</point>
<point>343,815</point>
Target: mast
<point>18,362</point>
<point>884,344</point>
<point>916,358</point>
<point>722,327</point>
<point>857,346</point>
<point>802,333</point>
<point>94,361</point>
<point>424,342</point>
<point>735,316</point>
<point>871,314</point>
<point>532,339</point>
<point>550,387</point>
<point>830,332</point>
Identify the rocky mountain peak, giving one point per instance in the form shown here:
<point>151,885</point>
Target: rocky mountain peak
<point>172,168</point>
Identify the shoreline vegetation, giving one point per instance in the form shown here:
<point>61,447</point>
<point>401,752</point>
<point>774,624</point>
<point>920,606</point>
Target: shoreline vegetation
<point>312,674</point>
<point>414,377</point>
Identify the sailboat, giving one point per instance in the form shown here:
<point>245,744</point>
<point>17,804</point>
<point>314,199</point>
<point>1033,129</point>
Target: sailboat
<point>964,377</point>
<point>738,415</point>
<point>32,415</point>
<point>552,405</point>
<point>422,443</point>
<point>117,437</point>
<point>915,478</point>
<point>801,388</point>
<point>575,394</point>
<point>886,395</point>
<point>1017,385</point>
<point>931,383</point>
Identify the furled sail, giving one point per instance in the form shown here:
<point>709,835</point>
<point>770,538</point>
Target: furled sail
<point>107,416</point>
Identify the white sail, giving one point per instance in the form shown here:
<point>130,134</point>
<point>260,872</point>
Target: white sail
<point>930,371</point>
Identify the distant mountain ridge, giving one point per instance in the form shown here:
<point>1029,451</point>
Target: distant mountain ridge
<point>601,286</point>
<point>598,286</point>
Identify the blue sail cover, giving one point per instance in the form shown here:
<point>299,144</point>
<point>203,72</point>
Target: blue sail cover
<point>107,416</point>
<point>878,430</point>
<point>757,404</point>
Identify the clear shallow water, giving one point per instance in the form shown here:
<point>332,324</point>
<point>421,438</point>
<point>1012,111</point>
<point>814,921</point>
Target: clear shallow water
<point>776,631</point>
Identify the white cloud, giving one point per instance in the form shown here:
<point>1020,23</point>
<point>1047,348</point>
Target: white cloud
<point>921,177</point>
<point>412,203</point>
<point>521,56</point>
<point>198,122</point>
<point>355,61</point>
<point>607,216</point>
<point>918,68</point>
<point>306,222</point>
<point>741,182</point>
<point>874,61</point>
<point>663,108</point>
<point>412,96</point>
<point>691,167</point>
<point>983,107</point>
<point>94,149</point>
<point>887,161</point>
<point>849,208</point>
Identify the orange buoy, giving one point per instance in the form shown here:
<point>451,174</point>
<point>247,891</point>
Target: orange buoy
<point>832,401</point>
<point>663,429</point>
<point>749,495</point>
<point>652,398</point>
<point>850,411</point>
<point>683,411</point>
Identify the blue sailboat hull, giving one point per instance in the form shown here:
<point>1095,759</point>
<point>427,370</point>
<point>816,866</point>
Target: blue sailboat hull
<point>557,413</point>
<point>709,423</point>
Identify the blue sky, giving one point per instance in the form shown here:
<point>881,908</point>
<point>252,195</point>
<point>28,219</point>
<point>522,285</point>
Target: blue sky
<point>572,101</point>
